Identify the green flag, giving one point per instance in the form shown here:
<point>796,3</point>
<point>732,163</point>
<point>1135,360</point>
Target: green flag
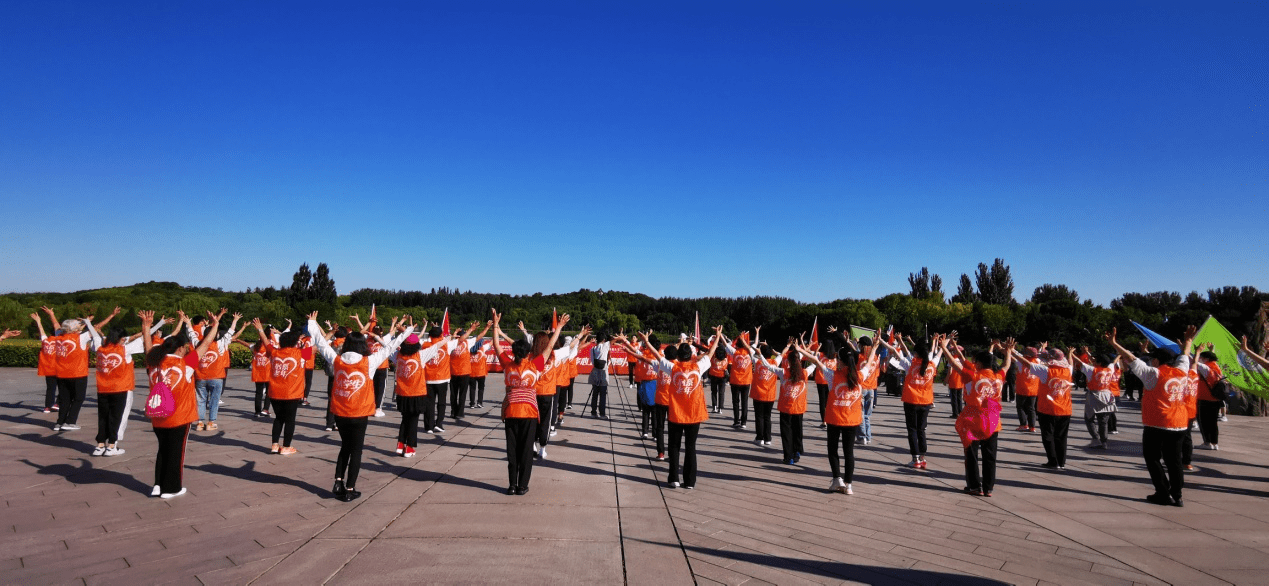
<point>857,332</point>
<point>1241,372</point>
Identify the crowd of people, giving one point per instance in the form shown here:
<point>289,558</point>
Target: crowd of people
<point>187,369</point>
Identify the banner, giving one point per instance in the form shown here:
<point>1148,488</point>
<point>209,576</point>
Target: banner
<point>1241,371</point>
<point>857,332</point>
<point>1158,340</point>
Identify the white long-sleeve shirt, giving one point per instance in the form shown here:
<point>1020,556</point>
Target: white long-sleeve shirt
<point>373,361</point>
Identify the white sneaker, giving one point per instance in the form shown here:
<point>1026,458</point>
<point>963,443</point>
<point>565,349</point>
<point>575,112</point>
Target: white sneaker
<point>1194,425</point>
<point>537,447</point>
<point>760,442</point>
<point>379,413</point>
<point>553,432</point>
<point>849,490</point>
<point>155,491</point>
<point>57,427</point>
<point>867,441</point>
<point>744,426</point>
<point>836,484</point>
<point>1205,446</point>
<point>1216,447</point>
<point>645,436</point>
<point>169,495</point>
<point>114,452</point>
<point>69,427</point>
<point>542,453</point>
<point>438,430</point>
<point>99,450</point>
<point>674,484</point>
<point>220,403</point>
<point>767,443</point>
<point>1223,418</point>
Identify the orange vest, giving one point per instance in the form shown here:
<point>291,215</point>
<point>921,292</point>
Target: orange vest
<point>831,363</point>
<point>918,385</point>
<point>572,368</point>
<point>410,379</point>
<point>114,371</point>
<point>375,346</point>
<point>687,398</point>
<point>306,349</point>
<point>1103,379</point>
<point>1191,392</point>
<point>986,385</point>
<point>717,368</point>
<point>209,364</point>
<point>286,380</point>
<point>72,356</point>
<point>644,371</point>
<point>1163,405</point>
<point>261,364</point>
<point>353,394</point>
<point>545,383</point>
<point>1057,398</point>
<point>460,359</point>
<point>521,381</point>
<point>741,367</point>
<point>1026,384</point>
<point>437,368</point>
<point>480,362</point>
<point>48,357</point>
<point>845,404</point>
<point>173,371</point>
<point>765,385</point>
<point>664,380</point>
<point>869,371</point>
<point>1205,385</point>
<point>793,396</point>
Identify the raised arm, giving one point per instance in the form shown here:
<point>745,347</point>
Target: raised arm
<point>207,340</point>
<point>1257,358</point>
<point>815,359</point>
<point>102,324</point>
<point>39,324</point>
<point>321,343</point>
<point>147,319</point>
<point>1111,336</point>
<point>52,316</point>
<point>952,361</point>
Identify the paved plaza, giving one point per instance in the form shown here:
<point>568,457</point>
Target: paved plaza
<point>599,511</point>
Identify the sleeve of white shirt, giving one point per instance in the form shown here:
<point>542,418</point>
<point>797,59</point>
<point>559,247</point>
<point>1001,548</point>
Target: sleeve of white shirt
<point>703,364</point>
<point>1149,375</point>
<point>1203,370</point>
<point>1087,369</point>
<point>729,348</point>
<point>385,350</point>
<point>322,344</point>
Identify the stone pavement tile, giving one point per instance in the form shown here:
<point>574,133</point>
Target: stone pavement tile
<point>1162,537</point>
<point>953,566</point>
<point>721,575</point>
<point>63,574</point>
<point>1161,567</point>
<point>544,489</point>
<point>631,494</point>
<point>176,571</point>
<point>500,561</point>
<point>1222,521</point>
<point>1073,529</point>
<point>242,573</point>
<point>1218,555</point>
<point>366,520</point>
<point>1126,573</point>
<point>314,563</point>
<point>1057,574</point>
<point>406,489</point>
<point>649,540</point>
<point>1143,520</point>
<point>521,518</point>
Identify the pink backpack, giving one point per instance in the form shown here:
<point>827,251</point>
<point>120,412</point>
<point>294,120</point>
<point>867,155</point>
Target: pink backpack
<point>978,423</point>
<point>160,402</point>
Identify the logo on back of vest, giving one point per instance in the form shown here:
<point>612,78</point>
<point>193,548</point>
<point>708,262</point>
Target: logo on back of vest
<point>1175,389</point>
<point>685,382</point>
<point>284,366</point>
<point>108,362</point>
<point>347,385</point>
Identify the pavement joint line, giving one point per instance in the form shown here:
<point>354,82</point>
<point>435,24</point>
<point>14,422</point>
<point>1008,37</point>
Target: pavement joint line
<point>616,488</point>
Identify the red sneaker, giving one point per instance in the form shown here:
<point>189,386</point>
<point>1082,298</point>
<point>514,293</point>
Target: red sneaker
<point>1023,428</point>
<point>921,464</point>
<point>1034,430</point>
<point>400,448</point>
<point>409,452</point>
<point>57,407</point>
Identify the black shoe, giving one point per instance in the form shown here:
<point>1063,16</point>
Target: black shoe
<point>512,490</point>
<point>339,489</point>
<point>1049,465</point>
<point>351,495</point>
<point>972,491</point>
<point>1177,503</point>
<point>523,490</point>
<point>1159,499</point>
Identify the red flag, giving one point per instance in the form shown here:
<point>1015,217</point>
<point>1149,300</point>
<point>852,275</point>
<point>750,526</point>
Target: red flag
<point>555,320</point>
<point>815,331</point>
<point>445,323</point>
<point>698,327</point>
<point>744,336</point>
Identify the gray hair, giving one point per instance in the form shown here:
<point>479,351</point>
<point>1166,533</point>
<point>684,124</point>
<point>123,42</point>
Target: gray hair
<point>72,325</point>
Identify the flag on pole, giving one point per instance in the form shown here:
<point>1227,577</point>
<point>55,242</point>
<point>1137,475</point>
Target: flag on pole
<point>1241,371</point>
<point>555,320</point>
<point>445,323</point>
<point>815,330</point>
<point>857,332</point>
<point>1157,339</point>
<point>698,327</point>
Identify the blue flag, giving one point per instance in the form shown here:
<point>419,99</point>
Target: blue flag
<point>1157,339</point>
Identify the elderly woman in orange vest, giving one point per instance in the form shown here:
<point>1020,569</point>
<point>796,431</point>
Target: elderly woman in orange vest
<point>687,406</point>
<point>918,390</point>
<point>1099,395</point>
<point>522,368</point>
<point>1028,391</point>
<point>71,367</point>
<point>978,424</point>
<point>1163,414</point>
<point>209,375</point>
<point>1053,404</point>
<point>352,398</point>
<point>115,381</point>
<point>740,363</point>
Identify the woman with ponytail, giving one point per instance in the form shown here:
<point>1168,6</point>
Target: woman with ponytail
<point>918,391</point>
<point>791,402</point>
<point>844,412</point>
<point>172,364</point>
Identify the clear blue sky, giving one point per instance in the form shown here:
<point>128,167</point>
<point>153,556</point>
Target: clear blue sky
<point>814,150</point>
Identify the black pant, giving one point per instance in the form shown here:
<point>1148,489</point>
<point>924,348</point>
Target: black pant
<point>659,415</point>
<point>438,391</point>
<point>308,382</point>
<point>72,391</point>
<point>822,390</point>
<point>110,413</point>
<point>284,411</point>
<point>762,419</point>
<point>1008,389</point>
<point>1097,425</point>
<point>352,435</point>
<point>717,391</point>
<point>791,435</point>
<point>50,391</point>
<point>679,432</point>
<point>330,392</point>
<point>1112,423</point>
<point>546,415</point>
<point>169,462</point>
<point>988,448</point>
<point>740,404</point>
<point>381,385</point>
<point>1163,445</point>
<point>1053,431</point>
<point>1026,411</point>
<point>957,398</point>
<point>915,417</point>
<point>262,398</point>
<point>599,400</point>
<point>1187,444</point>
<point>520,432</point>
<point>429,412</point>
<point>566,394</point>
<point>477,388</point>
<point>846,436</point>
<point>1209,413</point>
<point>411,408</point>
<point>646,421</point>
<point>458,394</point>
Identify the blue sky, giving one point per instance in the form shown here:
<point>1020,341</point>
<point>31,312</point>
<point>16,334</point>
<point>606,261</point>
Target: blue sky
<point>814,150</point>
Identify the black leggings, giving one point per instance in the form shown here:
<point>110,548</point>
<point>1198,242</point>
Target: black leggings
<point>845,436</point>
<point>988,449</point>
<point>169,462</point>
<point>646,422</point>
<point>740,404</point>
<point>520,432</point>
<point>1209,413</point>
<point>1026,410</point>
<point>111,409</point>
<point>352,435</point>
<point>262,398</point>
<point>1162,451</point>
<point>678,433</point>
<point>50,391</point>
<point>546,416</point>
<point>438,391</point>
<point>410,408</point>
<point>330,388</point>
<point>381,386</point>
<point>791,435</point>
<point>477,391</point>
<point>762,419</point>
<point>915,417</point>
<point>458,394</point>
<point>957,399</point>
<point>72,391</point>
<point>822,390</point>
<point>659,415</point>
<point>429,412</point>
<point>1053,430</point>
<point>717,390</point>
<point>284,420</point>
<point>308,382</point>
<point>599,400</point>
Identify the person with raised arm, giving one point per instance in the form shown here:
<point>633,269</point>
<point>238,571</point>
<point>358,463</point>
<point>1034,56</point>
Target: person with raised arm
<point>1027,388</point>
<point>411,390</point>
<point>116,379</point>
<point>437,370</point>
<point>261,365</point>
<point>553,359</point>
<point>1253,356</point>
<point>521,369</point>
<point>209,375</point>
<point>72,367</point>
<point>870,369</point>
<point>285,383</point>
<point>460,368</point>
<point>481,351</point>
<point>172,364</point>
<point>1209,405</point>
<point>791,400</point>
<point>687,408</point>
<point>652,395</point>
<point>1163,413</point>
<point>1099,396</point>
<point>827,353</point>
<point>1053,405</point>
<point>764,390</point>
<point>918,390</point>
<point>978,424</point>
<point>47,365</point>
<point>352,399</point>
<point>718,380</point>
<point>844,413</point>
<point>740,363</point>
